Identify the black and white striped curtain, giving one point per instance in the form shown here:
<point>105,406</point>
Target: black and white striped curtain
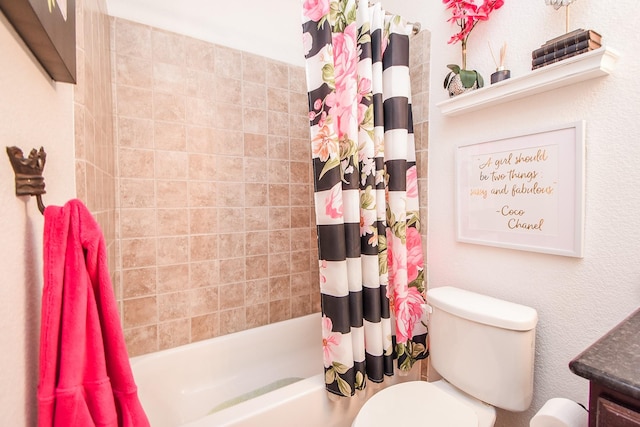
<point>366,193</point>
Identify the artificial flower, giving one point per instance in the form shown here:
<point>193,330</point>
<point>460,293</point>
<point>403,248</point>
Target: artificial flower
<point>466,14</point>
<point>330,341</point>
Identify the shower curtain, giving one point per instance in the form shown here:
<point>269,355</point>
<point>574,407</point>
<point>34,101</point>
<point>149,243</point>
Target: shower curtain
<point>366,194</point>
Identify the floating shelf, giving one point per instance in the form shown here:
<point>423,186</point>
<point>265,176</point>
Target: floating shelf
<point>598,62</point>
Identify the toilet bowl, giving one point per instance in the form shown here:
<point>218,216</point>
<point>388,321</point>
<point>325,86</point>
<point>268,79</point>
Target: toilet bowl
<point>484,350</point>
<point>439,404</point>
<point>436,404</point>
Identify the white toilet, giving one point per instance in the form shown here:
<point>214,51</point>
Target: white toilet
<point>484,349</point>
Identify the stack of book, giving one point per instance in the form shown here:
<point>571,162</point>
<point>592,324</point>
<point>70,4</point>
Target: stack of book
<point>568,45</point>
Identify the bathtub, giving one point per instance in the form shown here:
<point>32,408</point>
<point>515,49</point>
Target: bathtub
<point>267,376</point>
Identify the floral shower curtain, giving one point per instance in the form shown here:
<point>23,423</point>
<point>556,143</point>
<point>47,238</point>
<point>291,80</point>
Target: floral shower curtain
<point>366,193</point>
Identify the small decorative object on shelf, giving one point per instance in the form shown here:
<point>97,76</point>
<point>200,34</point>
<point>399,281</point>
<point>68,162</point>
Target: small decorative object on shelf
<point>570,44</point>
<point>557,4</point>
<point>565,46</point>
<point>591,65</point>
<point>466,15</point>
<point>460,81</point>
<point>501,73</point>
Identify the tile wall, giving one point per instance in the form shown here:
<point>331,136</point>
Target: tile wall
<point>419,54</point>
<point>93,120</point>
<point>214,192</point>
<point>419,51</point>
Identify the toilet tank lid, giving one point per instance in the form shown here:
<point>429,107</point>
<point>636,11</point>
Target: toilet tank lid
<point>483,309</point>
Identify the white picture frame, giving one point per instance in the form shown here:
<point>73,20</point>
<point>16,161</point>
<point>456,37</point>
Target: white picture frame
<point>524,192</point>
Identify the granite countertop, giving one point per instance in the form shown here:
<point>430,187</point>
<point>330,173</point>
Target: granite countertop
<point>614,360</point>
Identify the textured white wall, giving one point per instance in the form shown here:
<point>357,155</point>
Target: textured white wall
<point>35,112</point>
<point>577,300</point>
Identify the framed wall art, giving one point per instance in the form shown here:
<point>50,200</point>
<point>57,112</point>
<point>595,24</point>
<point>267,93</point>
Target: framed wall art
<point>48,28</point>
<point>524,192</point>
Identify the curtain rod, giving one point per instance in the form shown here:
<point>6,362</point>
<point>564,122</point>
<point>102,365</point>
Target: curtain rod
<point>416,25</point>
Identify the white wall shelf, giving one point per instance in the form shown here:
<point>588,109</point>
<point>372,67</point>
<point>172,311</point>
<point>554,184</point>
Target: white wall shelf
<point>599,62</point>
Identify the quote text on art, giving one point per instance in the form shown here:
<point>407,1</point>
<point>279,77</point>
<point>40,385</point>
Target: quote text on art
<point>514,190</point>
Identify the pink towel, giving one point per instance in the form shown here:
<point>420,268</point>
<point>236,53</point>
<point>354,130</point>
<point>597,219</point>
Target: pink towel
<point>85,376</point>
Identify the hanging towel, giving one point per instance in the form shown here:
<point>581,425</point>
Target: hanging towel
<point>85,376</point>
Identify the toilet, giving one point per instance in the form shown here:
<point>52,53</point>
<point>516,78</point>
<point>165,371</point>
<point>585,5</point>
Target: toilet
<point>482,347</point>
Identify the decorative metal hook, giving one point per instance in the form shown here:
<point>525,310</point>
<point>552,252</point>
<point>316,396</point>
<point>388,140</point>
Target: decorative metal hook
<point>28,171</point>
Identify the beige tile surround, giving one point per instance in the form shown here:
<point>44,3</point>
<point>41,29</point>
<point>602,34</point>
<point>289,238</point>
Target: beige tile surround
<point>203,185</point>
<point>214,189</point>
<point>93,120</point>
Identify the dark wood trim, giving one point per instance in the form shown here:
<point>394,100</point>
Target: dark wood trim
<point>609,408</point>
<point>51,39</point>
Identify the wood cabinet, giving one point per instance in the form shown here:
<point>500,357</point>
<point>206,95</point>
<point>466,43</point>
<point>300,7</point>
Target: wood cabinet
<point>611,365</point>
<point>609,408</point>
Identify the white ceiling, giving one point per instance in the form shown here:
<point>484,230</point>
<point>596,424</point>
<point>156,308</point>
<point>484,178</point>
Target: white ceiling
<point>271,28</point>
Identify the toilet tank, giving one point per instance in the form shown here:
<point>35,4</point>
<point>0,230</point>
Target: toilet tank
<point>484,346</point>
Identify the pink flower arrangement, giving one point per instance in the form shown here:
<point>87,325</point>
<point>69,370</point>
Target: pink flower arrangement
<point>412,182</point>
<point>467,14</point>
<point>415,261</point>
<point>345,58</point>
<point>333,203</point>
<point>315,9</point>
<point>325,144</point>
<point>330,342</point>
<point>408,311</point>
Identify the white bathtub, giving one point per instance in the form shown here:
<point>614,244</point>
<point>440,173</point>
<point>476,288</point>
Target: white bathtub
<point>230,381</point>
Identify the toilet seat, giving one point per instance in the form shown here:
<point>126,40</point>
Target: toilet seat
<point>422,403</point>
